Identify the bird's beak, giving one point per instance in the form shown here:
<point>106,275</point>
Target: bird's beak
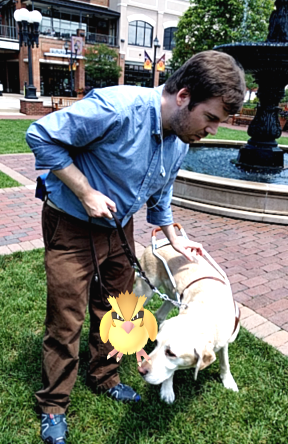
<point>128,326</point>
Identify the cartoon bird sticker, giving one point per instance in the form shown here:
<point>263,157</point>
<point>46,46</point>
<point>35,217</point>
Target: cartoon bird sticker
<point>128,326</point>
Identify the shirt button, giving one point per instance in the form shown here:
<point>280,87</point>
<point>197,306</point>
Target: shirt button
<point>149,174</point>
<point>139,198</point>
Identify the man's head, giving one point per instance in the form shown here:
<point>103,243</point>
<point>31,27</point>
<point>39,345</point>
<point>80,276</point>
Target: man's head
<point>210,74</point>
<point>201,94</point>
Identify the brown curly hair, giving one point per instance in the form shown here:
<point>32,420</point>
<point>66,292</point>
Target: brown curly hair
<point>210,74</point>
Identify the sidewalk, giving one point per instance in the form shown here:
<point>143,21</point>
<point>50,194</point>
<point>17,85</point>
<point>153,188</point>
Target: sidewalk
<point>10,106</point>
<point>254,255</point>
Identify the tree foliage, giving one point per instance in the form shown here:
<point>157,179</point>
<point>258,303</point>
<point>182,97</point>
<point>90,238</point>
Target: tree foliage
<point>209,23</point>
<point>101,63</point>
<point>250,84</point>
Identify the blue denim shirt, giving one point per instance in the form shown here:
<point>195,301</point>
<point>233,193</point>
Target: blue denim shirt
<point>114,137</point>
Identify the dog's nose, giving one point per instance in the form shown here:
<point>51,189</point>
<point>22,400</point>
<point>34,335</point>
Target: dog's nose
<point>143,371</point>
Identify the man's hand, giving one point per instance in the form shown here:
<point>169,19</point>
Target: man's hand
<point>180,244</point>
<point>187,247</point>
<point>97,204</point>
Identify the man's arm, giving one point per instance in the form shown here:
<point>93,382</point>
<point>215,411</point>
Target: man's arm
<point>180,244</point>
<point>95,203</point>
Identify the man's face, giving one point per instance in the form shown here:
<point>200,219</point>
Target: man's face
<point>204,119</point>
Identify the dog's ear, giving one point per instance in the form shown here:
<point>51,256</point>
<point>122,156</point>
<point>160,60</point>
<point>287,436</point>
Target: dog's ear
<point>204,358</point>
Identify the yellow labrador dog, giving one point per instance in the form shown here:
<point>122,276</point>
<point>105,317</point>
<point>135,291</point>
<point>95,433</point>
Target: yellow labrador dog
<point>205,326</point>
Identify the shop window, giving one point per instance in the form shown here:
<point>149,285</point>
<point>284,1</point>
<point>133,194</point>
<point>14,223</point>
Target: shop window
<point>140,34</point>
<point>137,75</point>
<point>168,42</point>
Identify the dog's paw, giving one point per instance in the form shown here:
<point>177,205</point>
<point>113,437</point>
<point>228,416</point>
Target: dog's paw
<point>167,395</point>
<point>229,383</point>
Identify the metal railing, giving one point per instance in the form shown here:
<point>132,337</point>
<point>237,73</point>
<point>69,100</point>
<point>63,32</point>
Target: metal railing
<point>90,37</point>
<point>60,33</point>
<point>8,32</point>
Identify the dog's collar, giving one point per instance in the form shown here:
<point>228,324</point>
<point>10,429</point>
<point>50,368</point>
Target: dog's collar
<point>237,316</point>
<point>199,279</point>
<point>237,311</point>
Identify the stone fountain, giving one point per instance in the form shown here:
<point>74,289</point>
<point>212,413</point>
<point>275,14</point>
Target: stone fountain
<point>268,63</point>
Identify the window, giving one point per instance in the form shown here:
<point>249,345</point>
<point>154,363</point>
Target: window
<point>140,34</point>
<point>168,37</point>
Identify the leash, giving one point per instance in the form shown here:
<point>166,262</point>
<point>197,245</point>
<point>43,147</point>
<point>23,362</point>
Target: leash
<point>135,264</point>
<point>137,267</point>
<point>97,274</point>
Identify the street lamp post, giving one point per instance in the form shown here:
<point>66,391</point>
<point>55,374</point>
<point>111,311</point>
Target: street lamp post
<point>156,45</point>
<point>73,58</point>
<point>28,29</point>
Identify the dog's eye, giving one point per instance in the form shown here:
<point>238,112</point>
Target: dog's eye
<point>169,353</point>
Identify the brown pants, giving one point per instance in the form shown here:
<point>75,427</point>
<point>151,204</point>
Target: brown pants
<point>70,270</point>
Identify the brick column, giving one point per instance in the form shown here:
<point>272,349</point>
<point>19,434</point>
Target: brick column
<point>23,68</point>
<point>121,63</point>
<point>36,52</point>
<point>79,74</point>
<point>156,77</point>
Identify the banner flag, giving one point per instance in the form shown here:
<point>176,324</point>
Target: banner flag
<point>161,64</point>
<point>77,42</point>
<point>147,61</point>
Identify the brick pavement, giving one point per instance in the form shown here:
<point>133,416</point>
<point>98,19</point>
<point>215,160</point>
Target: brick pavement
<point>254,255</point>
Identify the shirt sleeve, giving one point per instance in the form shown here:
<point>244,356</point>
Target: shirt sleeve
<point>159,207</point>
<point>56,137</point>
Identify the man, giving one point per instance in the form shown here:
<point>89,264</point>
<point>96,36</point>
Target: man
<point>117,149</point>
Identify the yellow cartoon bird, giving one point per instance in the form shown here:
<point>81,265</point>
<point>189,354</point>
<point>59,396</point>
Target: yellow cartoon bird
<point>128,325</point>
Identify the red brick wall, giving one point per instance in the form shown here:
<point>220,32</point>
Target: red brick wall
<point>121,63</point>
<point>34,108</point>
<point>96,2</point>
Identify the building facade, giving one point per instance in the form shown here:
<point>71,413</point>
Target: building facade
<point>91,21</point>
<point>130,28</point>
<point>141,21</point>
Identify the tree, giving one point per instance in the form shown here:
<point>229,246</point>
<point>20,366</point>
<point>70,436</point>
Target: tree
<point>101,64</point>
<point>250,84</point>
<point>209,23</point>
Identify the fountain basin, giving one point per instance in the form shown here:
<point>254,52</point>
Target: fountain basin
<point>259,56</point>
<point>242,199</point>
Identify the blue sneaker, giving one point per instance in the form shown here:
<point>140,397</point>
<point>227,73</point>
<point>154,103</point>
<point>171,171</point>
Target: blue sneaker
<point>124,393</point>
<point>53,428</point>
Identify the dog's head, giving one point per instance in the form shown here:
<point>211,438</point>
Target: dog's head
<point>175,353</point>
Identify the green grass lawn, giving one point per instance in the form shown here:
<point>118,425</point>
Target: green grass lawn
<point>12,138</point>
<point>230,134</point>
<point>7,182</point>
<point>204,411</point>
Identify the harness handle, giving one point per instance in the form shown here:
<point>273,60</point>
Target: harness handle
<point>155,230</point>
